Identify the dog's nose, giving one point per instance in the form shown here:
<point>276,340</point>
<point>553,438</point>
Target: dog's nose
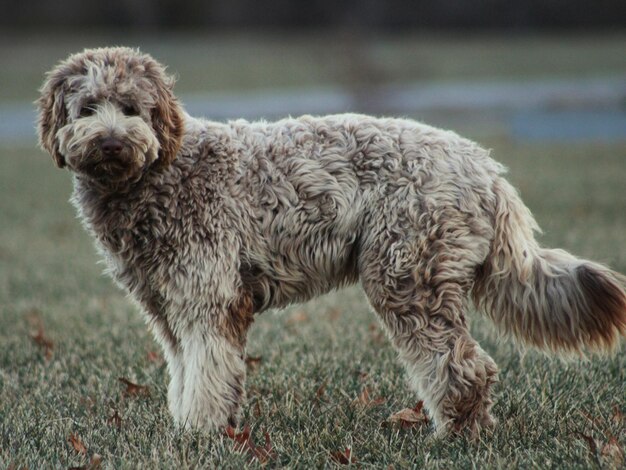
<point>111,147</point>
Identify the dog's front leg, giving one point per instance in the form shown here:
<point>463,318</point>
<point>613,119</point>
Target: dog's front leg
<point>214,376</point>
<point>173,355</point>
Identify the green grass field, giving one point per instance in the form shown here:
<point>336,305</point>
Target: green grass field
<point>67,335</point>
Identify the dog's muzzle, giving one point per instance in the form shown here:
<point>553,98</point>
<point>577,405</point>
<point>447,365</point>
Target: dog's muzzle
<point>109,160</point>
<point>111,147</point>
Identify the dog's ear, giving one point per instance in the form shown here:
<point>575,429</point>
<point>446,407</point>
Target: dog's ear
<point>167,115</point>
<point>52,114</point>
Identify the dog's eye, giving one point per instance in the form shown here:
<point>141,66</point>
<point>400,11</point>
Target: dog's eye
<point>87,110</point>
<point>130,110</point>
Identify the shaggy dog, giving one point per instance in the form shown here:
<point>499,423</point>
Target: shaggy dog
<point>206,224</point>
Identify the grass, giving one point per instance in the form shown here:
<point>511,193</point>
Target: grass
<point>315,359</point>
<point>49,274</point>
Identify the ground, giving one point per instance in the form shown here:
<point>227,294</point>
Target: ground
<point>68,335</point>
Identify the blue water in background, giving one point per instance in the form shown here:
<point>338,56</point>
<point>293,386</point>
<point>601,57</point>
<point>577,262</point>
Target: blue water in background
<point>568,125</point>
<point>573,110</point>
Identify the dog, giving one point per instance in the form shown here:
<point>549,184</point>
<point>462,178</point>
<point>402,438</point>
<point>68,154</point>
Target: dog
<point>206,224</point>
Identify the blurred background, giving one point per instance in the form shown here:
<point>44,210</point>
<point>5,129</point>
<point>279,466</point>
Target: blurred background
<point>532,69</point>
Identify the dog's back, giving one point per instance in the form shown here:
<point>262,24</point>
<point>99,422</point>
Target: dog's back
<point>319,188</point>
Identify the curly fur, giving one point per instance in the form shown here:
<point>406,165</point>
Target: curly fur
<point>206,224</point>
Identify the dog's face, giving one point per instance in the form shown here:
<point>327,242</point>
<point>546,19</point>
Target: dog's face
<point>108,114</point>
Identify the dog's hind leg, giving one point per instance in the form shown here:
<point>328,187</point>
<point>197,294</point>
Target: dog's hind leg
<point>446,367</point>
<point>418,283</point>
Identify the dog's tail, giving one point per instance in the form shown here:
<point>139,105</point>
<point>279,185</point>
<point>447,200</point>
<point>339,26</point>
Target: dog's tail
<point>546,298</point>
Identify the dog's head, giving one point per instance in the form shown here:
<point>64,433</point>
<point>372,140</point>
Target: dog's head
<point>108,114</point>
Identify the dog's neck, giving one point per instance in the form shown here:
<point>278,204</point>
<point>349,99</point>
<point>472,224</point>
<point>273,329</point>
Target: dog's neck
<point>110,213</point>
<point>129,222</point>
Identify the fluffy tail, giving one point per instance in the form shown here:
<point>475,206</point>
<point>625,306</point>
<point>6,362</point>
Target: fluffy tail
<point>546,298</point>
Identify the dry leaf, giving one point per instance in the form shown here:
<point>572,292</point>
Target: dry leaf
<point>256,411</point>
<point>298,317</point>
<point>334,314</point>
<point>253,362</point>
<point>96,460</point>
<point>618,416</point>
<point>42,341</point>
<point>94,463</point>
<point>321,390</point>
<point>591,443</point>
<point>613,452</point>
<point>242,439</point>
<point>115,420</point>
<point>133,389</point>
<point>243,443</point>
<point>154,357</point>
<point>77,444</point>
<point>409,417</point>
<point>343,458</point>
<point>265,453</point>
<point>365,401</point>
<point>376,334</point>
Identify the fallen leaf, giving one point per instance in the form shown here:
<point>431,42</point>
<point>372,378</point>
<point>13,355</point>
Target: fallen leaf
<point>115,420</point>
<point>41,340</point>
<point>265,453</point>
<point>618,416</point>
<point>343,458</point>
<point>253,362</point>
<point>77,444</point>
<point>133,389</point>
<point>376,334</point>
<point>154,357</point>
<point>613,452</point>
<point>256,411</point>
<point>96,460</point>
<point>321,390</point>
<point>298,317</point>
<point>409,417</point>
<point>365,401</point>
<point>591,443</point>
<point>243,443</point>
<point>242,439</point>
<point>334,314</point>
